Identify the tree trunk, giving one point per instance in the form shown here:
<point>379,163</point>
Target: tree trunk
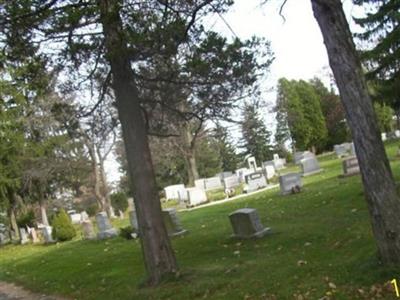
<point>43,212</point>
<point>13,222</point>
<point>397,112</point>
<point>189,152</point>
<point>158,254</point>
<point>379,186</point>
<point>96,176</point>
<point>105,190</point>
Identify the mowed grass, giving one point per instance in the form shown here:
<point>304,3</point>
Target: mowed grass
<point>322,246</point>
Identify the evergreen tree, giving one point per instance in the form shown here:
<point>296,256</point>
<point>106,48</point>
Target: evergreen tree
<point>227,152</point>
<point>255,135</point>
<point>382,60</point>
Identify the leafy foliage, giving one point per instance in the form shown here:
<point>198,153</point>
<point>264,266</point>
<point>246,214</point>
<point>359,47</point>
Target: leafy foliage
<point>119,201</point>
<point>63,230</point>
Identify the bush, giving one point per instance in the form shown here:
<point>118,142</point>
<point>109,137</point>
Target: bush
<point>27,219</point>
<point>119,201</point>
<point>63,230</point>
<point>126,232</point>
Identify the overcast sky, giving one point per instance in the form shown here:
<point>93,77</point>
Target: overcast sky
<point>296,42</point>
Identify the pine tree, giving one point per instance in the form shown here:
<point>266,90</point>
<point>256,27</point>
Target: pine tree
<point>382,61</point>
<point>255,135</point>
<point>227,152</point>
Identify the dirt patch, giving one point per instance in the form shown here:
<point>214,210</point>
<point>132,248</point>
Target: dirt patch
<point>9,291</point>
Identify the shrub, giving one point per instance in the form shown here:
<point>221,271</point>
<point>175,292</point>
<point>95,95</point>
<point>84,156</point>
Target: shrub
<point>119,201</point>
<point>63,230</point>
<point>27,219</point>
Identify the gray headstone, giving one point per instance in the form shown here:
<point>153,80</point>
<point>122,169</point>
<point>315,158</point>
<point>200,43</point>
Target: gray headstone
<point>104,226</point>
<point>134,221</point>
<point>4,234</point>
<point>88,230</point>
<point>290,181</point>
<point>350,166</point>
<point>23,236</point>
<point>246,224</point>
<point>310,166</point>
<point>84,216</point>
<point>172,223</point>
<point>231,182</point>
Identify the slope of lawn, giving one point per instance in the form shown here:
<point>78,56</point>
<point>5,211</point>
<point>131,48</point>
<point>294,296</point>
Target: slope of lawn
<point>322,248</point>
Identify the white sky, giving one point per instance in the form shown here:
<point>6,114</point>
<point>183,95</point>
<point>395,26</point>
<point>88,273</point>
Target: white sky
<point>297,43</point>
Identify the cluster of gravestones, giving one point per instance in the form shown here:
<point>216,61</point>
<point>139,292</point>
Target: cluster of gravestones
<point>253,178</point>
<point>26,235</point>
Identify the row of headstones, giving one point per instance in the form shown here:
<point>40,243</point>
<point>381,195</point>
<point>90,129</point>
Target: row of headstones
<point>254,177</point>
<point>26,235</point>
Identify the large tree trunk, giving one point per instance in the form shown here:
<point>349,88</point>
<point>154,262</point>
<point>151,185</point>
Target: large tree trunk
<point>157,250</point>
<point>43,212</point>
<point>379,186</point>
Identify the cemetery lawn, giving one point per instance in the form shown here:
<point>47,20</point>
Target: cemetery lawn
<point>322,246</point>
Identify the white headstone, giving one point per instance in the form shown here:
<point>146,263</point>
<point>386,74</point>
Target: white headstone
<point>246,224</point>
<point>269,171</point>
<point>384,136</point>
<point>196,196</point>
<point>23,236</point>
<point>88,230</point>
<point>175,192</point>
<point>47,234</point>
<point>252,164</point>
<point>75,218</point>
<point>84,216</point>
<point>254,181</point>
<point>231,182</point>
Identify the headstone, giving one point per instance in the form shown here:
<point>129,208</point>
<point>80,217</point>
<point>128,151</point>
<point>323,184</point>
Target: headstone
<point>134,221</point>
<point>254,181</point>
<point>208,184</point>
<point>246,224</point>
<point>84,216</point>
<point>290,183</point>
<point>242,172</point>
<point>172,223</point>
<point>88,230</point>
<point>104,226</point>
<point>175,192</point>
<point>121,214</point>
<point>350,166</point>
<point>34,236</point>
<point>224,175</point>
<point>310,166</point>
<point>195,196</point>
<point>340,150</point>
<point>269,171</point>
<point>397,133</point>
<point>252,164</point>
<point>276,156</point>
<point>75,218</point>
<point>47,234</point>
<point>212,183</point>
<point>383,136</point>
<point>4,234</point>
<point>231,182</point>
<point>23,236</point>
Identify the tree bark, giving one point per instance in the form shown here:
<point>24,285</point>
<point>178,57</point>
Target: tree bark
<point>12,215</point>
<point>189,152</point>
<point>105,190</point>
<point>158,254</point>
<point>379,186</point>
<point>43,212</point>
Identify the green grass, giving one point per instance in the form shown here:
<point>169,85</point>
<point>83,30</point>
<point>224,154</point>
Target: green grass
<point>327,226</point>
